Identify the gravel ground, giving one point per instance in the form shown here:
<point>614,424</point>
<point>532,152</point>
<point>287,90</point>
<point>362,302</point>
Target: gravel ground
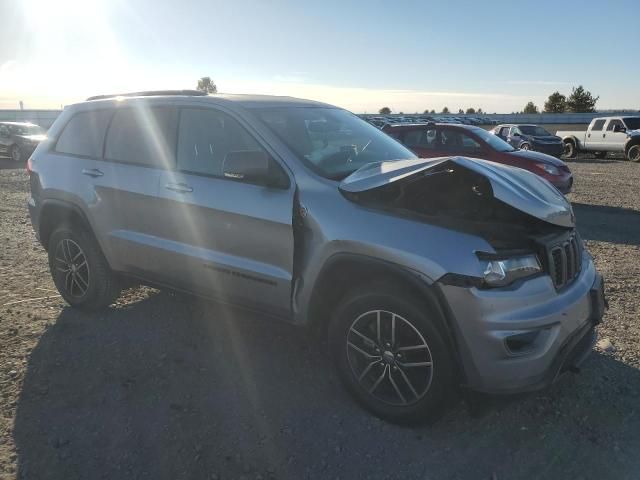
<point>165,386</point>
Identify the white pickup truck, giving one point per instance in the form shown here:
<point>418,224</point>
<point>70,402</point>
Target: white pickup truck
<point>604,135</point>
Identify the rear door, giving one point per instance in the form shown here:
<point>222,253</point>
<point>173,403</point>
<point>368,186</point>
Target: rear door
<point>223,237</point>
<point>514,137</point>
<point>614,141</point>
<point>595,135</point>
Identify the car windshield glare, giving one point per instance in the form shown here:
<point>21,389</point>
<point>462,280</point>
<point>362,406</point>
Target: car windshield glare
<point>493,140</point>
<point>332,142</point>
<point>534,131</point>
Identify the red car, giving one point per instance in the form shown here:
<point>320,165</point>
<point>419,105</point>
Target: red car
<point>442,140</point>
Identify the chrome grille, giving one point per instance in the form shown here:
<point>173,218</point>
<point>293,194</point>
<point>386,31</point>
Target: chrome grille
<point>565,261</point>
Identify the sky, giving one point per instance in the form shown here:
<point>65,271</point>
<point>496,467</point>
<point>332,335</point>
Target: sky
<point>360,55</point>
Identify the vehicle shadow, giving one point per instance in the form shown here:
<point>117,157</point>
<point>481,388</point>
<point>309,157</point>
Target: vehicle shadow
<point>7,164</point>
<point>171,387</point>
<point>608,224</point>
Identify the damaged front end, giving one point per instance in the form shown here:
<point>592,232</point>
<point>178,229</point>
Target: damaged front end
<point>519,214</point>
<point>504,205</point>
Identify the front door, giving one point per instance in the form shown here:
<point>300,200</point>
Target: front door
<point>223,237</point>
<point>614,141</point>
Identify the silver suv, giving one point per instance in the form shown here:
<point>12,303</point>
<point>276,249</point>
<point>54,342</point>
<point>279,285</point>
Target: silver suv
<point>426,275</point>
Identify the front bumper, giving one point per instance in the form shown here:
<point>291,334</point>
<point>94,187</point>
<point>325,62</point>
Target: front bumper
<point>555,149</point>
<point>560,323</point>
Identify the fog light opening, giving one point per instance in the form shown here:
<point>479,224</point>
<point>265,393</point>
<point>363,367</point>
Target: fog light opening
<point>521,342</point>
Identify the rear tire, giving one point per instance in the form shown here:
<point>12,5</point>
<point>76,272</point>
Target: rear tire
<point>79,270</point>
<point>396,383</point>
<point>633,153</point>
<point>570,150</point>
<point>600,154</point>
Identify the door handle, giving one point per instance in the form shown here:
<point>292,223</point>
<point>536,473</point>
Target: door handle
<point>589,135</point>
<point>179,187</point>
<point>92,172</point>
<point>604,135</point>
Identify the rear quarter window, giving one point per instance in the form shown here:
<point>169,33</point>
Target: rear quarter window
<point>597,125</point>
<point>84,134</point>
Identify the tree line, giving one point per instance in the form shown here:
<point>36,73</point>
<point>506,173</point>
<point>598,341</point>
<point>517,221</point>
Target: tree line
<point>579,101</point>
<point>445,110</point>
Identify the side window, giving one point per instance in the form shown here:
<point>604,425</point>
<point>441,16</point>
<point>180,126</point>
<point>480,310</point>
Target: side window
<point>423,138</point>
<point>597,125</point>
<point>143,136</point>
<point>612,123</point>
<point>84,134</point>
<point>455,140</point>
<point>515,130</point>
<point>504,132</point>
<point>206,137</point>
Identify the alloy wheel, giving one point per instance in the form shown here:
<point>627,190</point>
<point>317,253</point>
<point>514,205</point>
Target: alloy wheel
<point>71,262</point>
<point>389,357</point>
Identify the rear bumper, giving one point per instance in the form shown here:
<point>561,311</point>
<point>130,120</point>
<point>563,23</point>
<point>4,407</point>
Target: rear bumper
<point>561,325</point>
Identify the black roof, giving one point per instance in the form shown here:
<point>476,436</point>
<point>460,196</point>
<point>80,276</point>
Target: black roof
<point>152,93</point>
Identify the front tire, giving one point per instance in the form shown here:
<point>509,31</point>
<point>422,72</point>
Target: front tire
<point>79,270</point>
<point>633,153</point>
<point>525,146</point>
<point>390,354</point>
<point>15,154</point>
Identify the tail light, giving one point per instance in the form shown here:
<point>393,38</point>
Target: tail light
<point>30,165</point>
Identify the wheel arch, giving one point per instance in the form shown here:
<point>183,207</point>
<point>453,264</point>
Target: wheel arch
<point>341,272</point>
<point>631,141</point>
<point>54,213</point>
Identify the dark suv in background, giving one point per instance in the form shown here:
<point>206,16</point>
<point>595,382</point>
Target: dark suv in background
<point>530,137</point>
<point>18,140</point>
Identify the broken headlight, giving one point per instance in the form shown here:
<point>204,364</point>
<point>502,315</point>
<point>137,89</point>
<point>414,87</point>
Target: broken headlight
<point>504,271</point>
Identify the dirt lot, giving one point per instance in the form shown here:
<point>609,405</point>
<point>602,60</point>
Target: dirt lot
<point>164,386</point>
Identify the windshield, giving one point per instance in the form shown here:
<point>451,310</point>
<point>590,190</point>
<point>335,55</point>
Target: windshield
<point>26,130</point>
<point>534,131</point>
<point>332,142</point>
<point>632,123</point>
<point>493,141</point>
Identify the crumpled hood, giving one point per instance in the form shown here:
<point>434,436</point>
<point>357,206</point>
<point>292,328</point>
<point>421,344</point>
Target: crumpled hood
<point>521,189</point>
<point>538,157</point>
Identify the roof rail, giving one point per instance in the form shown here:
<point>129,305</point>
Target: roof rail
<point>151,93</point>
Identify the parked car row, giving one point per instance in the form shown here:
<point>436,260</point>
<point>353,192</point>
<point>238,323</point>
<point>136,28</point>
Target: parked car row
<point>425,275</point>
<point>380,120</point>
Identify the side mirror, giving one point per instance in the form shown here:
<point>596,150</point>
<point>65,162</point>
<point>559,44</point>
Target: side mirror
<point>619,129</point>
<point>254,167</point>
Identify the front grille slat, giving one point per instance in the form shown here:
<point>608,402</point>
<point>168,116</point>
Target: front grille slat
<point>565,261</point>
